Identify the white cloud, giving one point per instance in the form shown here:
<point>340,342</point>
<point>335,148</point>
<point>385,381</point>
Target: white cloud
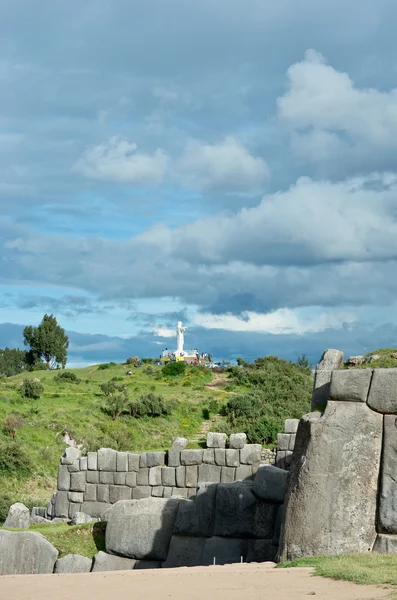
<point>165,332</point>
<point>278,322</point>
<point>119,160</point>
<point>325,99</point>
<point>226,165</point>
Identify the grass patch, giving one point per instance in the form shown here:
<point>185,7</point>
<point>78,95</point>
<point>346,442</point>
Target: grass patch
<point>369,568</point>
<point>86,540</point>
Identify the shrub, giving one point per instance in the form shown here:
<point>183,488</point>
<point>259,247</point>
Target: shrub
<point>32,388</point>
<point>105,366</point>
<point>117,399</point>
<point>13,459</point>
<point>12,423</point>
<point>149,370</point>
<point>151,405</point>
<point>5,503</point>
<point>117,379</point>
<point>173,369</point>
<point>67,376</point>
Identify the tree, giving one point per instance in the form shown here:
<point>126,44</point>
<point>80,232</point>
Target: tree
<point>12,361</point>
<point>48,342</point>
<point>303,362</point>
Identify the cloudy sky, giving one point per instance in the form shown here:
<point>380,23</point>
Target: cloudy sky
<point>228,163</point>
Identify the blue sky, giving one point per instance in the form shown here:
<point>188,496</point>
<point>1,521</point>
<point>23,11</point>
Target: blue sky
<point>231,164</point>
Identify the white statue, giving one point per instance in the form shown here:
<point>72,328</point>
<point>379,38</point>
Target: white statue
<point>180,338</point>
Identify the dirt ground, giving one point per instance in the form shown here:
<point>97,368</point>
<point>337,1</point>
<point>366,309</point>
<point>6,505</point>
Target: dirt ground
<point>232,582</point>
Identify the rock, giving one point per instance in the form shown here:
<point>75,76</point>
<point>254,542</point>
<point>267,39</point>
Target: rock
<point>25,553</point>
<point>102,493</point>
<point>83,463</point>
<point>283,441</point>
<point>388,483</point>
<point>63,478</point>
<point>70,456</point>
<point>220,457</point>
<point>261,551</point>
<point>77,497</point>
<point>158,491</point>
<point>216,440</point>
<point>108,562</point>
<point>196,517</point>
<point>232,458</point>
<point>107,459</point>
<point>95,509</point>
<point>92,461</point>
<point>133,462</point>
<point>277,527</point>
<point>350,386</point>
<point>209,474</point>
<point>119,492</point>
<point>185,552</point>
<point>270,483</point>
<point>209,456</point>
<point>168,476</point>
<point>122,461</point>
<point>382,396</point>
<point>155,476</point>
<point>141,491</point>
<point>74,467</point>
<point>148,564</point>
<point>237,440</point>
<point>244,473</point>
<point>250,454</point>
<point>228,474</point>
<point>372,358</point>
<point>224,551</point>
<point>180,476</point>
<point>18,517</point>
<point>191,457</point>
<point>80,518</point>
<point>330,505</point>
<point>77,482</point>
<point>153,459</point>
<point>142,477</point>
<point>192,476</point>
<point>92,476</point>
<point>37,520</point>
<point>179,444</point>
<point>141,529</point>
<point>73,563</point>
<point>130,479</point>
<point>354,361</point>
<point>331,360</point>
<point>385,544</point>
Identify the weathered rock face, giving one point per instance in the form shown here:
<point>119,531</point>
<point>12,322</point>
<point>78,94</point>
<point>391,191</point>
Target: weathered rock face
<point>388,483</point>
<point>26,553</point>
<point>73,563</point>
<point>81,518</point>
<point>108,562</point>
<point>270,483</point>
<point>141,528</point>
<point>330,361</point>
<point>383,393</point>
<point>331,499</point>
<point>18,517</point>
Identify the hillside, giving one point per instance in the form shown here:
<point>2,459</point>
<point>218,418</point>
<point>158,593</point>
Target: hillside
<point>382,358</point>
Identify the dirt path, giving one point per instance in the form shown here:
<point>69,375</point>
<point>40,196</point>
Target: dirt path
<point>232,582</point>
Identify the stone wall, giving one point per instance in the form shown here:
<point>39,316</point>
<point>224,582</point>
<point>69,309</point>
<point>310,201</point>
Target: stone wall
<point>92,483</point>
<point>286,444</point>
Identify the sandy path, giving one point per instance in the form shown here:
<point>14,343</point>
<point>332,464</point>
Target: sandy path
<point>232,582</point>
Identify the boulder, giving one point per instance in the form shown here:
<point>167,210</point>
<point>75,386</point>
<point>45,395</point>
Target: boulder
<point>18,517</point>
<point>388,483</point>
<point>216,440</point>
<point>63,478</point>
<point>80,518</point>
<point>331,360</point>
<point>350,386</point>
<point>25,553</point>
<point>179,444</point>
<point>354,361</point>
<point>147,564</point>
<point>291,425</point>
<point>250,454</point>
<point>107,459</point>
<point>372,358</point>
<point>224,551</point>
<point>270,483</point>
<point>330,505</point>
<point>95,509</point>
<point>196,517</point>
<point>191,457</point>
<point>70,456</point>
<point>385,544</point>
<point>237,440</point>
<point>382,396</point>
<point>108,562</point>
<point>261,551</point>
<point>73,563</point>
<point>141,528</point>
<point>37,520</point>
<point>185,552</point>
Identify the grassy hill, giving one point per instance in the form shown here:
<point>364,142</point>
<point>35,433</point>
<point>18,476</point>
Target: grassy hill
<point>387,359</point>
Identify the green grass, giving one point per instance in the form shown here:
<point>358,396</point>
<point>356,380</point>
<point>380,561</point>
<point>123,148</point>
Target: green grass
<point>385,360</point>
<point>86,540</point>
<point>369,568</point>
<point>65,406</point>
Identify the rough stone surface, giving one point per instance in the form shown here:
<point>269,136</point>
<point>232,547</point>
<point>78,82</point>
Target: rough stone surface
<point>120,478</point>
<point>81,518</point>
<point>196,517</point>
<point>383,393</point>
<point>331,497</point>
<point>76,497</point>
<point>63,478</point>
<point>179,444</point>
<point>18,517</point>
<point>191,476</point>
<point>291,425</point>
<point>133,461</point>
<point>92,476</point>
<point>119,492</point>
<point>141,529</point>
<point>228,474</point>
<point>130,479</point>
<point>185,552</point>
<point>103,493</point>
<point>354,361</point>
<point>70,456</point>
<point>270,483</point>
<point>220,457</point>
<point>109,562</point>
<point>141,491</point>
<point>73,563</point>
<point>261,551</point>
<point>107,459</point>
<point>350,386</point>
<point>331,360</point>
<point>225,551</point>
<point>209,456</point>
<point>26,552</point>
<point>157,491</point>
<point>168,476</point>
<point>237,440</point>
<point>250,454</point>
<point>216,440</point>
<point>174,458</point>
<point>92,461</point>
<point>122,461</point>
<point>244,473</point>
<point>283,441</point>
<point>74,467</point>
<point>77,482</point>
<point>180,476</point>
<point>155,476</point>
<point>74,507</point>
<point>61,508</point>
<point>388,480</point>
<point>83,463</point>
<point>154,459</point>
<point>95,509</point>
<point>191,457</point>
<point>232,458</point>
<point>142,477</point>
<point>385,544</point>
<point>209,474</point>
<point>148,564</point>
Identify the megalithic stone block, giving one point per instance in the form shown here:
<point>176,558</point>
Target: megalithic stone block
<point>330,361</point>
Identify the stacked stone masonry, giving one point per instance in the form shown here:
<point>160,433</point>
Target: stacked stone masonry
<point>286,444</point>
<point>93,483</point>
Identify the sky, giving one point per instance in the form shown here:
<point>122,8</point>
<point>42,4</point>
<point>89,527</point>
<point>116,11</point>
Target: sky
<point>230,164</point>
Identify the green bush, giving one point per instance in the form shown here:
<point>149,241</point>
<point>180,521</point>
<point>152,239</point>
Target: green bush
<point>151,405</point>
<point>32,388</point>
<point>105,366</point>
<point>149,370</point>
<point>13,458</point>
<point>117,399</point>
<point>173,369</point>
<point>68,377</point>
<point>5,503</point>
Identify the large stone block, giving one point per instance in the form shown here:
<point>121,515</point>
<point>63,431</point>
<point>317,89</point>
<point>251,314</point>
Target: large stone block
<point>283,441</point>
<point>78,482</point>
<point>148,564</point>
<point>385,544</point>
<point>141,491</point>
<point>240,514</point>
<point>92,461</point>
<point>216,440</point>
<point>81,518</point>
<point>191,476</point>
<point>174,458</point>
<point>209,456</point>
<point>120,478</point>
<point>220,457</point>
<point>157,491</point>
<point>209,474</point>
<point>153,459</point>
<point>244,473</point>
<point>196,517</point>
<point>277,527</point>
<point>18,517</point>
<point>191,457</point>
<point>130,479</point>
<point>388,479</point>
<point>237,440</point>
<point>228,474</point>
<point>350,386</point>
<point>63,483</point>
<point>232,458</point>
<point>70,456</point>
<point>224,551</point>
<point>270,484</point>
<point>291,425</point>
<point>109,562</point>
<point>180,476</point>
<point>107,459</point>
<point>133,461</point>
<point>74,467</point>
<point>92,476</point>
<point>122,461</point>
<point>155,476</point>
<point>185,552</point>
<point>179,444</point>
<point>73,563</point>
<point>179,492</point>
<point>168,476</point>
<point>331,360</point>
<point>103,493</point>
<point>250,454</point>
<point>74,508</point>
<point>119,492</point>
<point>261,551</point>
<point>335,468</point>
<point>142,477</point>
<point>95,509</point>
<point>61,508</point>
<point>382,395</point>
<point>26,553</point>
<point>76,497</point>
<point>141,529</point>
<point>106,477</point>
<point>83,463</point>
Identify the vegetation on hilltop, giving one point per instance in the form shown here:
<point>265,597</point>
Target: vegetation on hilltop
<point>387,359</point>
